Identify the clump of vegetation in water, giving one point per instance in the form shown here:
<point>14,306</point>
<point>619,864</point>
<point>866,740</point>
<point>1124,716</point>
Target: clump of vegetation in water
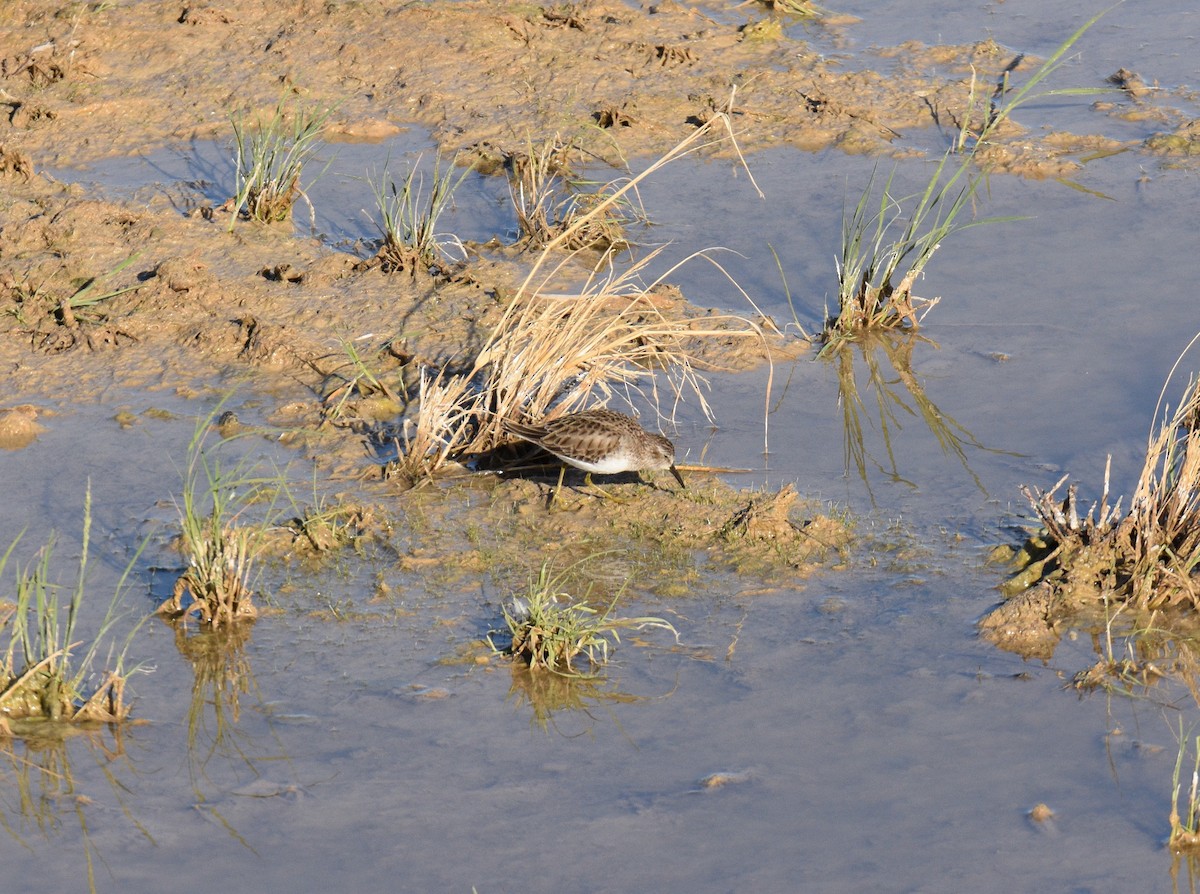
<point>1185,824</point>
<point>45,673</point>
<point>1136,562</point>
<point>408,219</point>
<point>269,158</point>
<point>888,240</point>
<point>549,630</point>
<point>219,544</point>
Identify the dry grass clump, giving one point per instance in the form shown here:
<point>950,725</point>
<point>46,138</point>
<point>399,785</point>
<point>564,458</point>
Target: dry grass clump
<point>551,351</point>
<point>549,203</point>
<point>1142,561</point>
<point>1148,557</point>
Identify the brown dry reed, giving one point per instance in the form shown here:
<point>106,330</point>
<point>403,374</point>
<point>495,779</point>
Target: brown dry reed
<point>1147,558</point>
<point>547,203</point>
<point>552,352</point>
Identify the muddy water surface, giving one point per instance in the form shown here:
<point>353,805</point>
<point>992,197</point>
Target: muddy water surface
<point>844,733</point>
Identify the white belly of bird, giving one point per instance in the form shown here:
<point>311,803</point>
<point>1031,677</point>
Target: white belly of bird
<point>609,465</point>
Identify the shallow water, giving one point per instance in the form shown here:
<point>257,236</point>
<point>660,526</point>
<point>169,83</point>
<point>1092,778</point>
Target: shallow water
<point>875,742</point>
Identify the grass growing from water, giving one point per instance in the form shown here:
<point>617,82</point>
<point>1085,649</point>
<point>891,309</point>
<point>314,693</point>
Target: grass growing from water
<point>43,673</point>
<point>409,218</point>
<point>982,119</point>
<point>219,543</point>
<point>269,158</point>
<point>550,630</point>
<point>888,240</point>
<point>1185,824</point>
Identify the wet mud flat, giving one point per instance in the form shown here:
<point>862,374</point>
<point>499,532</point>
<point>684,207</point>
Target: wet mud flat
<point>826,684</point>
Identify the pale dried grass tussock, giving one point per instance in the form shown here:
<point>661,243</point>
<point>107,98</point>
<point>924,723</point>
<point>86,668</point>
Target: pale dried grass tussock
<point>555,351</point>
<point>1149,557</point>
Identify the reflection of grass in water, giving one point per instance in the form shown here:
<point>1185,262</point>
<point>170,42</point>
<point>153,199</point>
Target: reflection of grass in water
<point>898,393</point>
<point>551,694</point>
<point>221,675</point>
<point>38,789</point>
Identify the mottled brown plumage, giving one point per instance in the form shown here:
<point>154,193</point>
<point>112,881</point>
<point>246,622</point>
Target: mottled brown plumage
<point>600,441</point>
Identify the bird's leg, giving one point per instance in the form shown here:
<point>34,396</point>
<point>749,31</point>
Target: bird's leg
<point>553,498</point>
<point>598,491</point>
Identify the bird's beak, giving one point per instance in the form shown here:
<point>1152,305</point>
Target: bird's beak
<point>678,477</point>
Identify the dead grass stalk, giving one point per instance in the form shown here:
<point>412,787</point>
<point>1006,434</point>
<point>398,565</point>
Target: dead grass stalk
<point>1149,557</point>
<point>551,351</point>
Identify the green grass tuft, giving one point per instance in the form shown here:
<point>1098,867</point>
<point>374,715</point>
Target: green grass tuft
<point>549,630</point>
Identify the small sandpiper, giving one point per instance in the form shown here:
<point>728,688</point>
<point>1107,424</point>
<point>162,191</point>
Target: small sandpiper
<point>600,441</point>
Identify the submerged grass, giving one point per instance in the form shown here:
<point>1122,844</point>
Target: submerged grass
<point>360,382</point>
<point>43,675</point>
<point>88,295</point>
